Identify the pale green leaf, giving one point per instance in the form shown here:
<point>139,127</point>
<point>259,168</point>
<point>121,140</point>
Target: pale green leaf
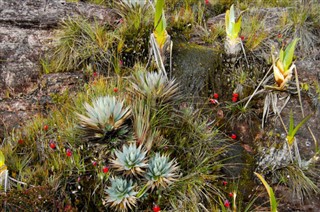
<point>2,159</point>
<point>288,55</point>
<point>272,197</point>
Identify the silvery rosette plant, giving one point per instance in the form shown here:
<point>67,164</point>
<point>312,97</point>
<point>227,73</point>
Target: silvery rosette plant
<point>121,195</point>
<point>154,86</point>
<point>105,118</point>
<point>131,160</point>
<point>133,3</point>
<point>161,171</point>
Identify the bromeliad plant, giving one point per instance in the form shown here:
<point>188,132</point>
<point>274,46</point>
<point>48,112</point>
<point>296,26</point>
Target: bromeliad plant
<point>132,160</point>
<point>155,87</point>
<point>283,66</point>
<point>105,119</point>
<point>121,194</point>
<point>233,26</point>
<point>161,172</point>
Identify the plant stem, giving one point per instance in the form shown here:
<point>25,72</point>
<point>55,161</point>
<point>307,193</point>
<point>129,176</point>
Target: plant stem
<point>252,95</point>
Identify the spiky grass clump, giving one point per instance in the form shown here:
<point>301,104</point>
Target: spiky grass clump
<point>134,29</point>
<point>106,118</point>
<point>198,148</point>
<point>132,160</point>
<point>80,43</point>
<point>121,194</point>
<point>301,22</point>
<point>161,171</point>
<point>154,87</point>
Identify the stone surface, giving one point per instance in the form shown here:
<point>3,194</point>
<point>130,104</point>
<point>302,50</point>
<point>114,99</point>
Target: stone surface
<point>26,29</point>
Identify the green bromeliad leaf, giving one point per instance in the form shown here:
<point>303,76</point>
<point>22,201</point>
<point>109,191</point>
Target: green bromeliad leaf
<point>233,25</point>
<point>293,130</point>
<point>288,54</point>
<point>2,159</point>
<point>160,24</point>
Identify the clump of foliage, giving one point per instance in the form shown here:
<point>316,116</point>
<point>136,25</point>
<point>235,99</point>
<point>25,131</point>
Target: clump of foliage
<point>81,43</point>
<point>61,152</point>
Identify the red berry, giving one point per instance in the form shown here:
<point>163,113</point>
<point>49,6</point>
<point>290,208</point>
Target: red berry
<point>213,101</point>
<point>230,194</point>
<point>279,35</point>
<point>227,203</point>
<point>156,208</point>
<point>46,127</point>
<point>95,74</point>
<point>94,163</point>
<point>115,90</point>
<point>224,183</point>
<point>20,141</point>
<point>105,169</point>
<point>69,153</point>
<point>215,95</point>
<point>52,145</point>
<point>206,2</point>
<point>236,95</point>
<point>233,136</point>
<point>234,99</point>
<point>242,38</point>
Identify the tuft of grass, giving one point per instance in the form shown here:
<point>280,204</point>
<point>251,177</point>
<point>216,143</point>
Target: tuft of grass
<point>80,43</point>
<point>301,22</point>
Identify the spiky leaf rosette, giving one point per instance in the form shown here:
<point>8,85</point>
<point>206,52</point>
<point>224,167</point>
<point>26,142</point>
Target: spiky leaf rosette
<point>131,160</point>
<point>161,171</point>
<point>143,126</point>
<point>105,119</point>
<point>121,194</point>
<point>154,87</point>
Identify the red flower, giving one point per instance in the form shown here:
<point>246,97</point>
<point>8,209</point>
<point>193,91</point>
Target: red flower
<point>224,183</point>
<point>115,89</point>
<point>279,35</point>
<point>94,163</point>
<point>234,99</point>
<point>105,169</point>
<point>95,74</point>
<point>215,95</point>
<point>227,203</point>
<point>213,101</point>
<point>69,153</point>
<point>242,37</point>
<point>233,136</point>
<point>46,127</point>
<point>20,141</point>
<point>156,208</point>
<point>52,145</point>
<point>230,194</point>
<point>236,95</point>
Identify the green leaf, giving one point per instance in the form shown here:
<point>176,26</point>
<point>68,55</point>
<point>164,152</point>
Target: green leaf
<point>281,55</point>
<point>228,24</point>
<point>160,23</point>
<point>236,28</point>
<point>272,197</point>
<point>232,15</point>
<point>292,131</point>
<point>2,159</point>
<point>288,55</point>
